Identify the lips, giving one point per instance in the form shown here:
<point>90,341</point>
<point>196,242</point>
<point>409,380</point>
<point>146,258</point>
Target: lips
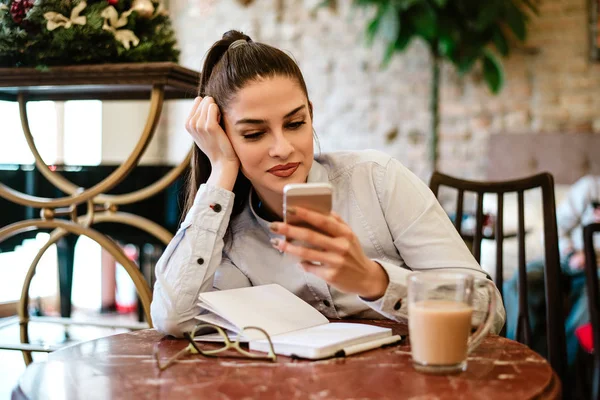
<point>284,170</point>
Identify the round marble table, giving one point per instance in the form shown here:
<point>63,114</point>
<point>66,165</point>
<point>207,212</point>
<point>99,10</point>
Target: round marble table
<point>122,367</point>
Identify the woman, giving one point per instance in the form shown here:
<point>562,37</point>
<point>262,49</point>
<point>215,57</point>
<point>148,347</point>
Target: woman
<point>252,125</point>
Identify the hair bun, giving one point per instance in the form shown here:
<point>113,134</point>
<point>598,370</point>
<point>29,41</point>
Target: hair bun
<point>233,35</point>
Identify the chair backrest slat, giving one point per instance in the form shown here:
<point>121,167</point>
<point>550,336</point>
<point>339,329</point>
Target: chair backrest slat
<point>552,273</point>
<point>499,232</point>
<point>459,211</point>
<point>523,324</point>
<point>478,228</point>
<point>553,278</point>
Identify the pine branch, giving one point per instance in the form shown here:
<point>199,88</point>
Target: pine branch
<point>31,44</point>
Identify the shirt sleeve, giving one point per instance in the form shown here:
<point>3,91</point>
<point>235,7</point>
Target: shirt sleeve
<point>570,212</point>
<point>426,240</point>
<point>193,262</point>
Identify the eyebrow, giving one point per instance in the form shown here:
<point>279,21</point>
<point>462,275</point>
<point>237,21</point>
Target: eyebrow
<point>262,121</point>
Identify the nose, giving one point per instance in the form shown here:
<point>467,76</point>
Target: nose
<point>282,147</point>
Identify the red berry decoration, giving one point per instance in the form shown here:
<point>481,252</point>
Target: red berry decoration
<point>113,2</point>
<point>19,9</point>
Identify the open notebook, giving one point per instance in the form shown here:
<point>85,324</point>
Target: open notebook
<point>295,327</point>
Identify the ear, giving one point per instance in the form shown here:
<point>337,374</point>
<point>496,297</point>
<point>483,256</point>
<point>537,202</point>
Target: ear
<point>310,109</point>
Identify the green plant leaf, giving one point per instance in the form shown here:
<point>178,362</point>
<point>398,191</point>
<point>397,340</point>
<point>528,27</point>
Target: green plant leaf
<point>492,72</point>
<point>446,46</point>
<point>389,24</point>
<point>466,54</point>
<point>465,63</point>
<point>448,36</point>
<point>516,20</point>
<point>487,16</point>
<point>406,4</point>
<point>440,3</point>
<point>389,53</point>
<point>424,20</point>
<point>403,39</point>
<point>500,41</point>
<point>372,29</point>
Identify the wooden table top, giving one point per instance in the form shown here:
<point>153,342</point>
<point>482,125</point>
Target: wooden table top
<point>131,81</point>
<point>122,367</point>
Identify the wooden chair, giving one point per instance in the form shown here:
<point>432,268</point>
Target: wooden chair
<point>591,272</point>
<point>553,292</point>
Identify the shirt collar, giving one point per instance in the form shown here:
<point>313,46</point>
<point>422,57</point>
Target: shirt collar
<point>317,173</point>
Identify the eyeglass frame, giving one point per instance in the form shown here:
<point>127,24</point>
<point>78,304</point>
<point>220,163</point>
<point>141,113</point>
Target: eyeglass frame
<point>192,347</point>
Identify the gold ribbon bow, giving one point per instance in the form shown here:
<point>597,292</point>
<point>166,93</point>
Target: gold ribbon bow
<point>56,20</point>
<point>161,10</point>
<point>125,36</point>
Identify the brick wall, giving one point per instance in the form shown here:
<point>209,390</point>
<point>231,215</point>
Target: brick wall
<point>550,84</point>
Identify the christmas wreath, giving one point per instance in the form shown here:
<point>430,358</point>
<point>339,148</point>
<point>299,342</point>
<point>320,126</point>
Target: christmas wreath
<point>42,33</point>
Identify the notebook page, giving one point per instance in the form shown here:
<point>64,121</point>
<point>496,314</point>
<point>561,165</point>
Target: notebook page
<point>270,307</point>
<point>205,306</point>
<point>214,318</point>
<point>217,320</point>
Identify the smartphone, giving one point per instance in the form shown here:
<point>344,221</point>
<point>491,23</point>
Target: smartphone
<point>313,196</point>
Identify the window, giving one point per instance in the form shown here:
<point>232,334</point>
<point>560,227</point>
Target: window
<point>65,133</point>
<point>82,132</point>
<point>42,121</point>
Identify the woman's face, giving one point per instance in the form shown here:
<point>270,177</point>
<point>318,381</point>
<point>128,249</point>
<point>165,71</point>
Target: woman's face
<point>270,127</point>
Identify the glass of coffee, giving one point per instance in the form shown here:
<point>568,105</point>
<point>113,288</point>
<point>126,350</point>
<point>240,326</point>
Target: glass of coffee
<point>440,311</point>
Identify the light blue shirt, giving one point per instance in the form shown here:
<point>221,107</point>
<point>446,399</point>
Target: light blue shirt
<point>397,219</point>
<point>575,212</point>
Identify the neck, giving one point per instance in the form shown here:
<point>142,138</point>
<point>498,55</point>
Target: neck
<point>268,206</point>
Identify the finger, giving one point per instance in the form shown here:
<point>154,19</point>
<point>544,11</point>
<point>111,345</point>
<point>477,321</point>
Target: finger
<point>212,119</point>
<point>218,116</point>
<point>324,223</point>
<point>202,113</point>
<point>338,245</point>
<point>197,115</point>
<point>337,217</point>
<point>190,121</point>
<point>323,272</point>
<point>305,253</point>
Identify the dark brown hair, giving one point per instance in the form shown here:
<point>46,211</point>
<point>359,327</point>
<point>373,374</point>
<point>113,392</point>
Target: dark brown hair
<point>224,73</point>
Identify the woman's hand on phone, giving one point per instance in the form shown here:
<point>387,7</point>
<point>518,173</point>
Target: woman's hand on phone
<point>338,253</point>
<point>203,125</point>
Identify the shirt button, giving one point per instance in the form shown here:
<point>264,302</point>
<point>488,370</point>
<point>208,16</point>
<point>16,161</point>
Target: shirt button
<point>200,261</point>
<point>398,305</point>
<point>326,303</point>
<point>216,208</point>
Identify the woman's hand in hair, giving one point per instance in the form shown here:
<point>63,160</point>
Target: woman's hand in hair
<point>337,255</point>
<point>203,125</point>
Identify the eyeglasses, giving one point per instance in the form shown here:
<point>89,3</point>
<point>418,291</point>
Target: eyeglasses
<point>194,347</point>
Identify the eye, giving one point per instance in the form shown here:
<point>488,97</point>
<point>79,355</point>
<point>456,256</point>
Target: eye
<point>295,125</point>
<point>253,136</point>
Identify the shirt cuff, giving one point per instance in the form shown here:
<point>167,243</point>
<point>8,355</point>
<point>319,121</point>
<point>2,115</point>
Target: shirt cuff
<point>394,303</point>
<point>211,205</point>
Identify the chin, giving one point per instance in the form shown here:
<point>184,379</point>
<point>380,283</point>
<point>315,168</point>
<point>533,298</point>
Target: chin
<point>280,183</point>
